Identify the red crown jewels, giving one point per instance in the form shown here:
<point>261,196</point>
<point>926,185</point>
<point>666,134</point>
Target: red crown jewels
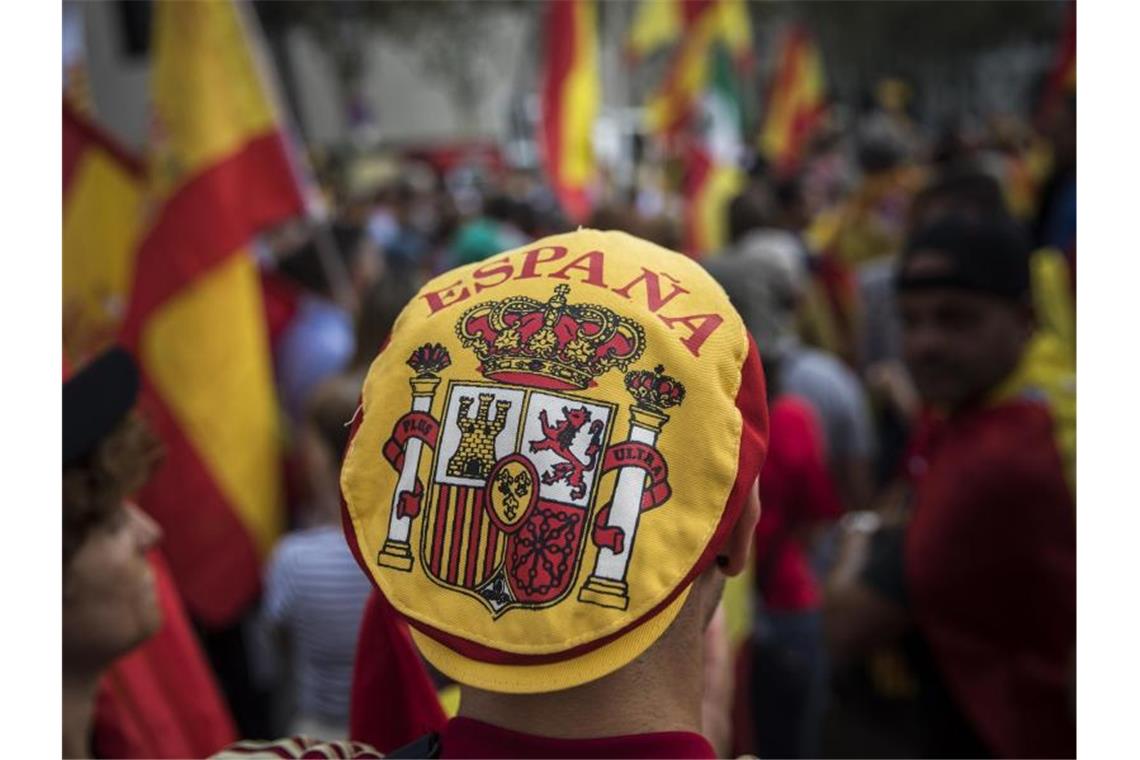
<point>552,345</point>
<point>654,390</point>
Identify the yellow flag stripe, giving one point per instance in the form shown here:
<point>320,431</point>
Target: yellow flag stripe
<point>209,110</point>
<point>206,351</point>
<point>99,236</point>
<point>583,92</point>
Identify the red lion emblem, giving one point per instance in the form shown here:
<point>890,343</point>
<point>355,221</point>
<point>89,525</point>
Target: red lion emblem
<point>559,438</point>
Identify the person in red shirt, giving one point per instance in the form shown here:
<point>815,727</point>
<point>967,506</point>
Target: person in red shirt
<point>789,674</point>
<point>787,677</point>
<point>977,578</point>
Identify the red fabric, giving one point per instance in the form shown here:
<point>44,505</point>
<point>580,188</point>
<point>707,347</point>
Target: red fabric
<point>282,300</point>
<point>840,288</point>
<point>790,75</point>
<point>464,737</point>
<point>991,572</point>
<point>796,492</point>
<point>209,219</point>
<point>393,699</point>
<point>211,555</point>
<point>561,35</point>
<point>418,425</point>
<point>698,170</point>
<point>161,700</point>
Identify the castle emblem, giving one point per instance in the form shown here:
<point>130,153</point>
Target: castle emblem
<point>476,453</point>
<point>517,458</point>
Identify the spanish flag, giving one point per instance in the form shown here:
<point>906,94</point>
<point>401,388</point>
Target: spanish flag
<point>701,25</point>
<point>102,201</point>
<point>795,103</point>
<point>712,166</point>
<point>162,699</point>
<point>571,90</point>
<point>660,23</point>
<point>218,172</point>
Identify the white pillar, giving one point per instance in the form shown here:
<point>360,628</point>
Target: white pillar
<point>397,551</point>
<point>606,585</point>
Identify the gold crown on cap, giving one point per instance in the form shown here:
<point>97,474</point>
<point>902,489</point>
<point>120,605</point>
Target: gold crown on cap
<point>556,345</point>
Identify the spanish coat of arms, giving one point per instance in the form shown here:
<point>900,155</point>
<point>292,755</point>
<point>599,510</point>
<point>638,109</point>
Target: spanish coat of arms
<point>517,458</point>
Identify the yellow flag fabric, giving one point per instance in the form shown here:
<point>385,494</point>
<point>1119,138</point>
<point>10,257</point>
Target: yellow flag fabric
<point>218,173</point>
<point>102,203</point>
<point>723,22</point>
<point>795,100</point>
<point>571,94</point>
<point>656,24</point>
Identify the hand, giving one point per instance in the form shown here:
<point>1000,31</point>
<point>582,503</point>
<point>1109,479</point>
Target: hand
<point>889,381</point>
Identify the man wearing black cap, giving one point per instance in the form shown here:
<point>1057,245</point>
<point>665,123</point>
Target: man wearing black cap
<point>978,581</point>
<point>110,602</point>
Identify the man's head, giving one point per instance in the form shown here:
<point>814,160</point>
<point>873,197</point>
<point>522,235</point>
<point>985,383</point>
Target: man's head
<point>754,208</point>
<point>964,301</point>
<point>534,547</point>
<point>966,193</point>
<point>109,600</point>
<point>765,280</point>
<point>322,439</point>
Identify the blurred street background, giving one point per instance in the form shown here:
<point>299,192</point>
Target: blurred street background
<point>252,192</point>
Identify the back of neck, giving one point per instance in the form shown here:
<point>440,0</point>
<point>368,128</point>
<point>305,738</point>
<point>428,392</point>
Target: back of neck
<point>659,691</point>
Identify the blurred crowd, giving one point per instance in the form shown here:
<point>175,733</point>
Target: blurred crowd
<point>811,263</point>
<point>913,583</point>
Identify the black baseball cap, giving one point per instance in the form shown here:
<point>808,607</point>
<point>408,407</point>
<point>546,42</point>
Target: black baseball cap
<point>986,255</point>
<point>95,400</point>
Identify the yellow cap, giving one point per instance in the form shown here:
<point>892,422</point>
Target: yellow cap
<point>554,443</point>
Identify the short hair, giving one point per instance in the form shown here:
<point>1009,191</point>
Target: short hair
<point>379,308</point>
<point>764,280</point>
<point>330,409</point>
<point>94,487</point>
<point>752,209</point>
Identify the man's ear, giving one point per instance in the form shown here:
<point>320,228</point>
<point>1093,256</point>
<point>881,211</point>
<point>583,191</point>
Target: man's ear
<point>734,557</point>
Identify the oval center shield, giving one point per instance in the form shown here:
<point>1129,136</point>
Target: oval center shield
<point>512,489</point>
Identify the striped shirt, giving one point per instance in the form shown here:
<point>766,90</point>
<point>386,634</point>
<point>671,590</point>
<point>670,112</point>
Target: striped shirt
<point>316,592</point>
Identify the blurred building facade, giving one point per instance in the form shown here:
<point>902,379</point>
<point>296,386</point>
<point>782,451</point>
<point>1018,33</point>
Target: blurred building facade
<point>406,73</point>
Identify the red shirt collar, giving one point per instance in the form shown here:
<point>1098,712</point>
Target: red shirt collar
<point>465,737</point>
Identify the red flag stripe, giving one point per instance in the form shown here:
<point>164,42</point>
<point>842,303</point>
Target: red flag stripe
<point>457,534</point>
<point>230,211</point>
<point>470,577</point>
<point>561,42</point>
<point>692,10</point>
<point>789,66</point>
<point>185,500</point>
<point>698,171</point>
<point>440,524</point>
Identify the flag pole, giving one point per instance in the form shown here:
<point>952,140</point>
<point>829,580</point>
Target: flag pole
<point>317,212</point>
